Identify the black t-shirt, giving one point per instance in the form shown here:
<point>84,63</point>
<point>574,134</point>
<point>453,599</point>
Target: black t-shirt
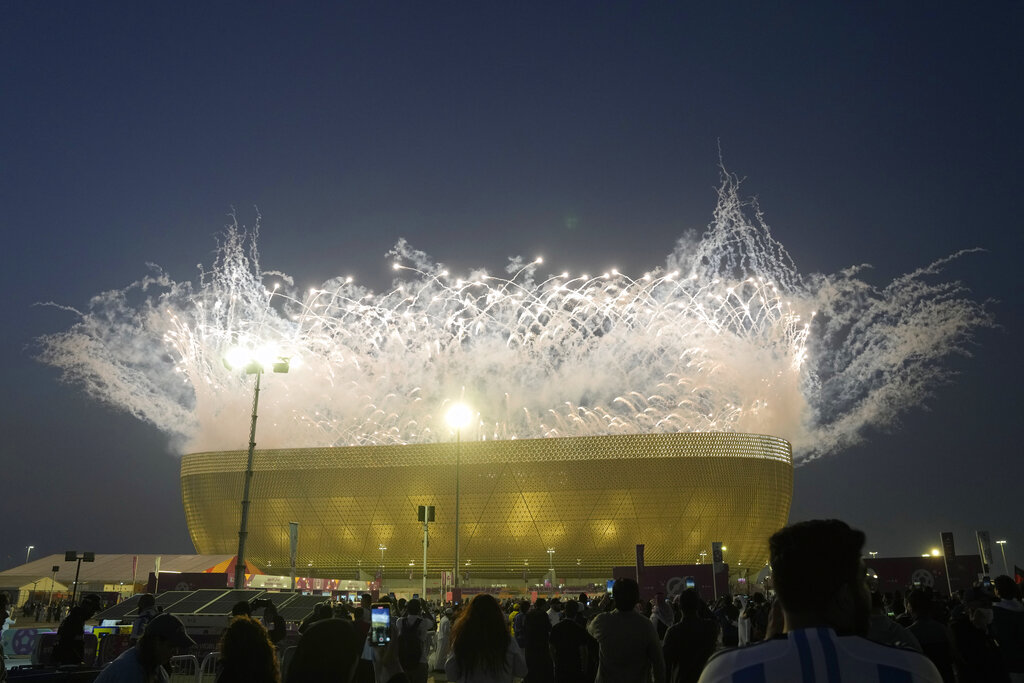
<point>572,648</point>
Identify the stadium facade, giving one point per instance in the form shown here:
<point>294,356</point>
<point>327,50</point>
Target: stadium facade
<point>589,499</point>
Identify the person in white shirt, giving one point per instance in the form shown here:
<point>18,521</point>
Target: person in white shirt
<point>821,583</point>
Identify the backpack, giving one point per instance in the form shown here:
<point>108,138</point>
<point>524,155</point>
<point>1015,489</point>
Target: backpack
<point>410,649</point>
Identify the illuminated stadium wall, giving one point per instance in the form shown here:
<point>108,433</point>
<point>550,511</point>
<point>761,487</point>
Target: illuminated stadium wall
<point>592,499</point>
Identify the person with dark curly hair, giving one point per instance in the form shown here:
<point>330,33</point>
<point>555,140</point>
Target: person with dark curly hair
<point>247,655</point>
<point>482,648</point>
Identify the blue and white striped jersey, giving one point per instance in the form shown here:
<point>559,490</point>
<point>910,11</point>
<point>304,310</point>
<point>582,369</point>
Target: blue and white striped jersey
<point>818,655</point>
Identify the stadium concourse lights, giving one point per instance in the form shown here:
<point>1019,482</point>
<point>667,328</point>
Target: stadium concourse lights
<point>458,417</point>
<point>254,362</point>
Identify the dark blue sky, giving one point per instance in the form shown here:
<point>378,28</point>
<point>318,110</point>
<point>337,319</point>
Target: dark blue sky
<point>887,133</point>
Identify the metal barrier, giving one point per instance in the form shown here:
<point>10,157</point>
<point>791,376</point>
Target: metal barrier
<point>184,669</point>
<point>208,670</point>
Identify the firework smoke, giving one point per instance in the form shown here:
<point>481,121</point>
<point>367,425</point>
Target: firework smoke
<point>728,336</point>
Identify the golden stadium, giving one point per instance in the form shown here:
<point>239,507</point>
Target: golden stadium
<point>590,499</point>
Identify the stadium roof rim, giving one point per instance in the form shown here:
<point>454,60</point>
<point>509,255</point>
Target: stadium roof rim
<point>659,445</point>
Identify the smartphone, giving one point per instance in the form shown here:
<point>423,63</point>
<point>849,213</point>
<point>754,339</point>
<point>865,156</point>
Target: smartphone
<point>690,583</point>
<point>380,624</point>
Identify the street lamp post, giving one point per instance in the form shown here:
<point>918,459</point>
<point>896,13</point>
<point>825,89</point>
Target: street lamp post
<point>239,358</point>
<point>458,418</point>
<point>53,579</point>
<point>1002,548</point>
<point>425,514</point>
<point>28,551</point>
<point>74,556</point>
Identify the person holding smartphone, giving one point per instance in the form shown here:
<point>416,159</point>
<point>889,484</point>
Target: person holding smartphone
<point>330,650</point>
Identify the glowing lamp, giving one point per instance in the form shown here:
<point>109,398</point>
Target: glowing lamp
<point>459,416</point>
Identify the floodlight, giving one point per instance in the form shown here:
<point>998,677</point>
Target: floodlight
<point>459,416</point>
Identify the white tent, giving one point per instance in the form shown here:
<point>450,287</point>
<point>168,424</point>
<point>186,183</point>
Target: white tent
<point>20,588</point>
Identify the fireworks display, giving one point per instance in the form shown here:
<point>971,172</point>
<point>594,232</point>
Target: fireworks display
<point>727,336</point>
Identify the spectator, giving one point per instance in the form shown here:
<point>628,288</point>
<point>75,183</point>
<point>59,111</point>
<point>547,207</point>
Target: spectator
<point>538,656</point>
<point>727,615</point>
<point>583,615</point>
<point>329,652</point>
<point>148,659</point>
<point>247,655</point>
<point>147,610</point>
<point>444,631</point>
<point>886,631</point>
<point>483,650</point>
<point>242,608</point>
<point>320,611</point>
<point>689,644</point>
<point>276,627</point>
<point>4,616</point>
<point>662,615</point>
<point>933,635</point>
<point>70,645</point>
<point>413,640</point>
<point>821,583</point>
<point>980,660</point>
<point>572,648</point>
<point>629,649</point>
<point>519,623</point>
<point>555,611</point>
<point>1008,627</point>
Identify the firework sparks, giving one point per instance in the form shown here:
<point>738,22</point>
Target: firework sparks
<point>727,337</point>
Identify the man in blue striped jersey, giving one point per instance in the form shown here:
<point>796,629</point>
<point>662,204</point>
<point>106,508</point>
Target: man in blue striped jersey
<point>821,583</point>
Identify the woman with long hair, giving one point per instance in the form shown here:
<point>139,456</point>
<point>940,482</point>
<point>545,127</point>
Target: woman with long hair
<point>247,655</point>
<point>482,648</point>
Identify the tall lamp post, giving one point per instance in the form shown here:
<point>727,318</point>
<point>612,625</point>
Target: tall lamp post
<point>381,548</point>
<point>253,365</point>
<point>458,418</point>
<point>74,556</point>
<point>53,579</point>
<point>1002,547</point>
<point>28,551</point>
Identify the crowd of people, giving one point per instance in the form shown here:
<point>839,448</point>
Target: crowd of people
<point>823,622</point>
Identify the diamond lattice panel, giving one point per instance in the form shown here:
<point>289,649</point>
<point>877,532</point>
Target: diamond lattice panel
<point>592,499</point>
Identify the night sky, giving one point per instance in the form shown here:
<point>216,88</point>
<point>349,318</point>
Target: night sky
<point>881,133</point>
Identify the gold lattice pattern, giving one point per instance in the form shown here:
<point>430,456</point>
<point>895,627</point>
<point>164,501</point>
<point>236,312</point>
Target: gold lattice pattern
<point>591,499</point>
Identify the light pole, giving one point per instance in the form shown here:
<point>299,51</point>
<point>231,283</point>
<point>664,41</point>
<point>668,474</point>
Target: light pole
<point>873,554</point>
<point>74,556</point>
<point>458,418</point>
<point>253,365</point>
<point>381,548</point>
<point>28,551</point>
<point>53,579</point>
<point>425,514</point>
<point>1002,548</point>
